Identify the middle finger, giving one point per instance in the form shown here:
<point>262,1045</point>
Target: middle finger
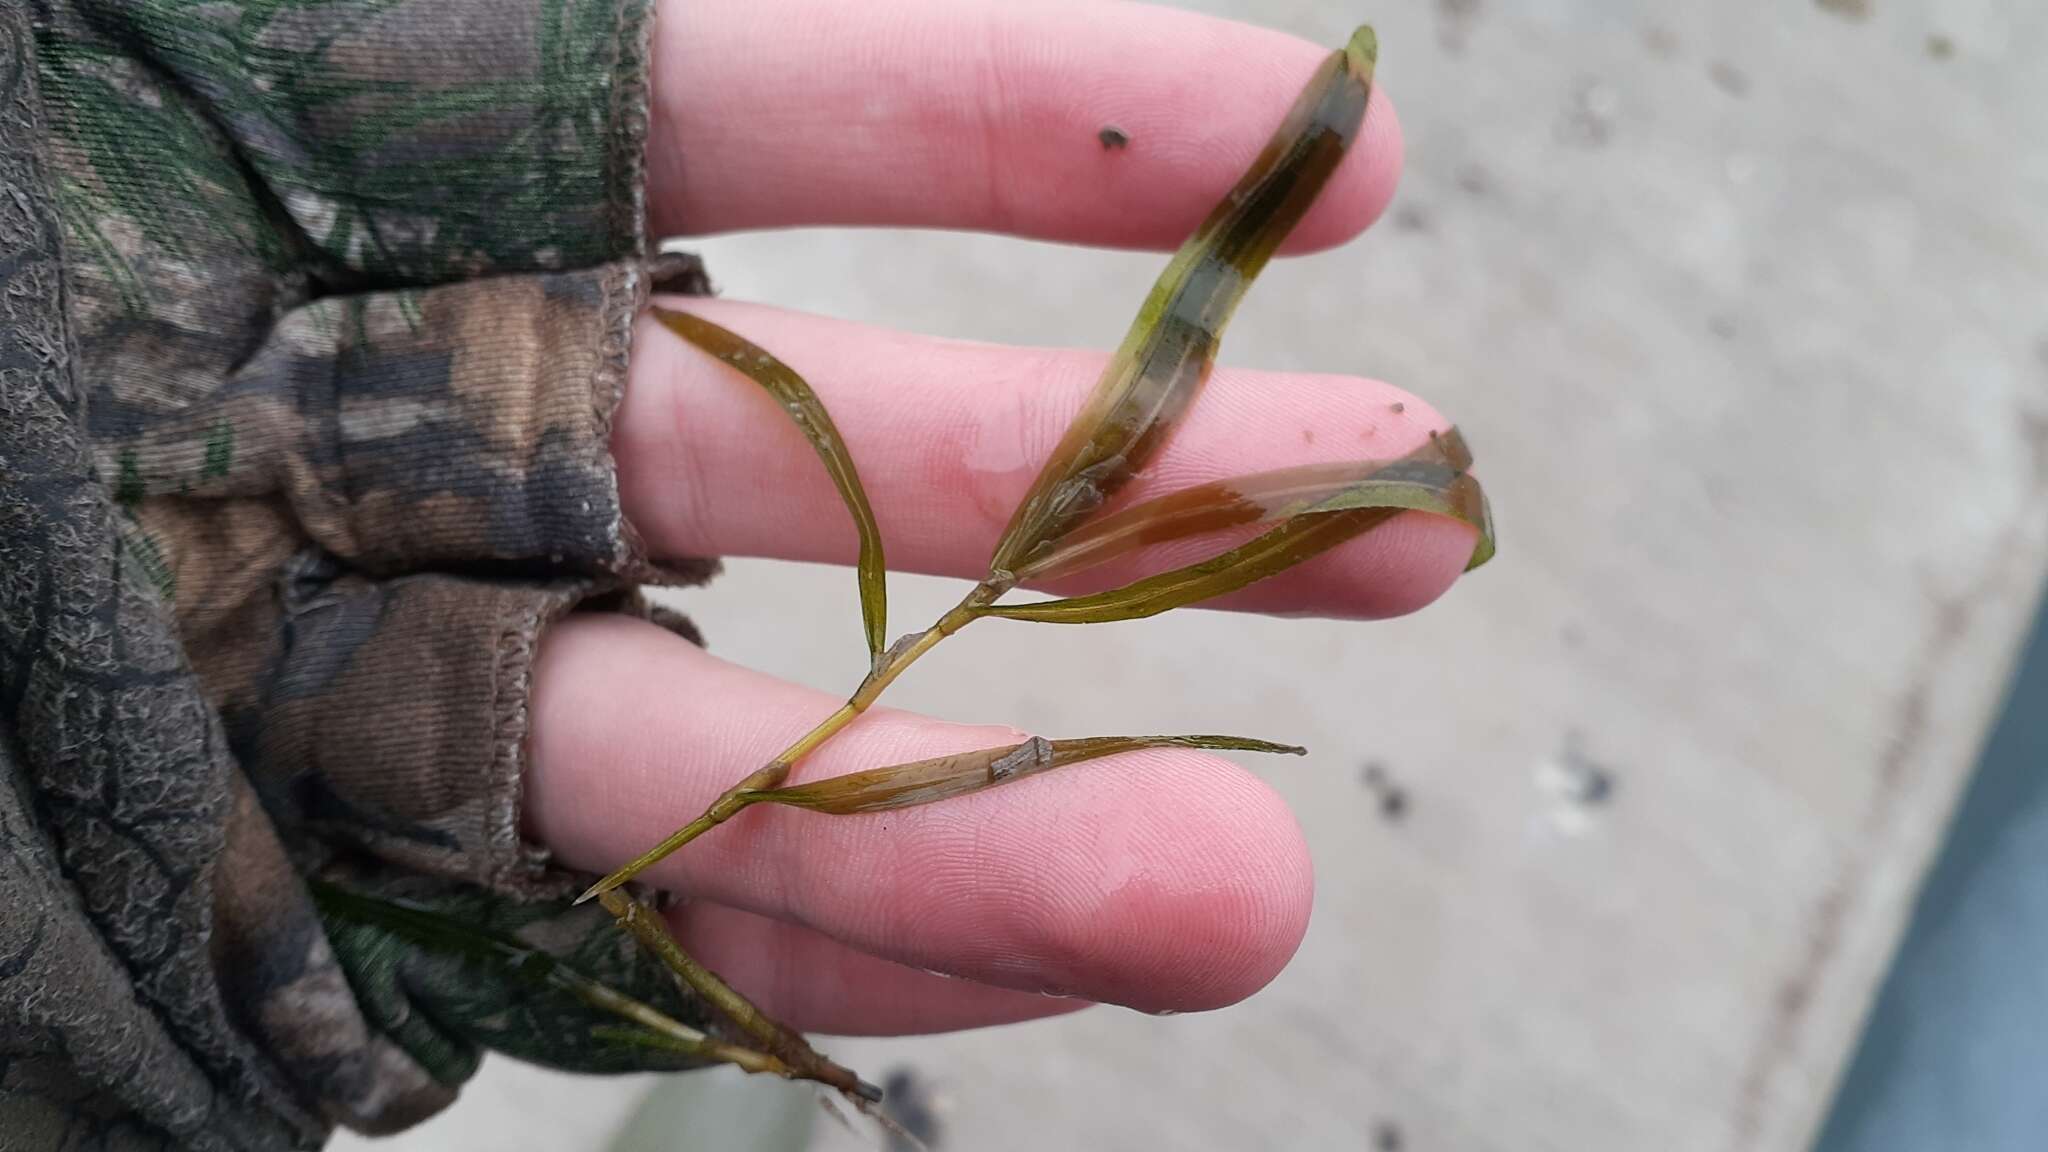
<point>948,436</point>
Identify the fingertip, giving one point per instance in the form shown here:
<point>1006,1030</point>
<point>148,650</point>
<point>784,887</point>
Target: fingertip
<point>1255,920</point>
<point>1438,550</point>
<point>1258,917</point>
<point>1401,567</point>
<point>1198,903</point>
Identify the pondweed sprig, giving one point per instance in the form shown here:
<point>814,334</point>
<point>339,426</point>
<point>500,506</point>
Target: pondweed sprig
<point>1059,529</point>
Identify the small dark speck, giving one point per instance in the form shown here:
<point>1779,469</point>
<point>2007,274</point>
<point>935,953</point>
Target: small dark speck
<point>1114,139</point>
<point>1722,326</point>
<point>1940,47</point>
<point>1572,637</point>
<point>1394,804</point>
<point>1846,9</point>
<point>908,1101</point>
<point>1454,23</point>
<point>1590,118</point>
<point>1475,180</point>
<point>1661,41</point>
<point>1412,218</point>
<point>1393,798</point>
<point>1728,78</point>
<point>1581,779</point>
<point>1596,787</point>
<point>1386,1137</point>
<point>1308,435</point>
<point>1398,407</point>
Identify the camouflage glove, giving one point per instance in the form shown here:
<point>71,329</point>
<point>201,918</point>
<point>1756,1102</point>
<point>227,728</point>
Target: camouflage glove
<point>316,315</point>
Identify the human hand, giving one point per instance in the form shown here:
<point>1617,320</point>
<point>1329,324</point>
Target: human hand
<point>932,113</point>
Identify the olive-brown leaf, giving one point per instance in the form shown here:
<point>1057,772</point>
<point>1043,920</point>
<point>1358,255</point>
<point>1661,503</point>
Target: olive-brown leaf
<point>942,777</point>
<point>1171,347</point>
<point>794,394</point>
<point>1435,486</point>
<point>1261,497</point>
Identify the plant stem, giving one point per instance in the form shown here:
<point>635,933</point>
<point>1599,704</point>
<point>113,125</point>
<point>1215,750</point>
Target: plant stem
<point>905,652</point>
<point>782,1045</point>
<point>787,1053</point>
<point>745,1059</point>
<point>892,663</point>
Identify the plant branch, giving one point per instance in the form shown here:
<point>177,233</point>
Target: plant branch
<point>887,667</point>
<point>780,1043</point>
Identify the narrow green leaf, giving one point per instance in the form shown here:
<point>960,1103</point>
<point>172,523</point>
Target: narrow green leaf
<point>1258,498</point>
<point>795,395</point>
<point>1425,486</point>
<point>1171,347</point>
<point>787,1048</point>
<point>943,777</point>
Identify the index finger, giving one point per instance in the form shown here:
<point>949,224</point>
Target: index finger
<point>1112,124</point>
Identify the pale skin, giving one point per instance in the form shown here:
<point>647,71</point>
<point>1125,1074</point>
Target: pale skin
<point>954,114</point>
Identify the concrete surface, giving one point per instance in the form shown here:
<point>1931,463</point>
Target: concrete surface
<point>1745,309</point>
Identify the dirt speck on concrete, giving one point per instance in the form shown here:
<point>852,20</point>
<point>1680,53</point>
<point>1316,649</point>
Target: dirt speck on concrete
<point>1728,78</point>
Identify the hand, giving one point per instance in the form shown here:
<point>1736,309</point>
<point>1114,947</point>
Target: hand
<point>943,113</point>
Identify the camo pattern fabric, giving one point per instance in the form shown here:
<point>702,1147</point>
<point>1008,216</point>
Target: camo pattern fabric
<point>316,313</point>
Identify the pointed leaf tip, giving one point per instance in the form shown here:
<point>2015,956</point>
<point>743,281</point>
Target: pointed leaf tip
<point>1487,546</point>
<point>1363,51</point>
<point>797,399</point>
<point>1317,507</point>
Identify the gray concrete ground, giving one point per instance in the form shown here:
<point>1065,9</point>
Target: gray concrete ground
<point>1745,307</point>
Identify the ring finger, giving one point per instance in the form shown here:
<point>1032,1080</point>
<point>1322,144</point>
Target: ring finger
<point>947,437</point>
